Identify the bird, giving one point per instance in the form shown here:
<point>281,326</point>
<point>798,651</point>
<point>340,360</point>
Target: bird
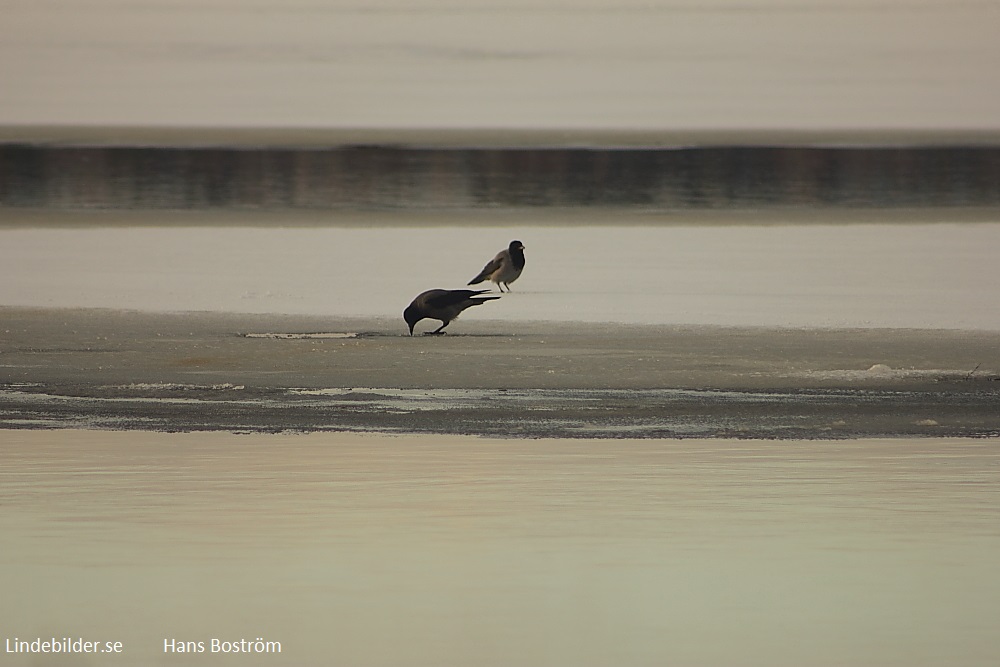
<point>442,304</point>
<point>505,268</point>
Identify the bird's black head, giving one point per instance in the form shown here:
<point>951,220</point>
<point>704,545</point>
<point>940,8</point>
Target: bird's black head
<point>412,315</point>
<point>515,245</point>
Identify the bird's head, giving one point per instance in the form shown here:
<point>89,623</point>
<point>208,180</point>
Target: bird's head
<point>411,316</point>
<point>516,245</point>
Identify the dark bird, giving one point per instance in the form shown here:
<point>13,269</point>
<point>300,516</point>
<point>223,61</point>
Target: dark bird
<point>505,268</point>
<point>443,304</point>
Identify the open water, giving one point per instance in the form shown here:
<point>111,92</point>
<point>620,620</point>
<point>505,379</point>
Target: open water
<point>431,550</point>
<point>558,65</point>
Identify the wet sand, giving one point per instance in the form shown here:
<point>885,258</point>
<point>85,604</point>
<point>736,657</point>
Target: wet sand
<point>238,372</point>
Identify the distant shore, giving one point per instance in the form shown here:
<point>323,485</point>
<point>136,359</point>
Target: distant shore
<point>210,169</point>
<point>486,137</point>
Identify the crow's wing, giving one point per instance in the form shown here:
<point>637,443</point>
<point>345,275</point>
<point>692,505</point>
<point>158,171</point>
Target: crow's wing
<point>490,267</point>
<point>449,298</point>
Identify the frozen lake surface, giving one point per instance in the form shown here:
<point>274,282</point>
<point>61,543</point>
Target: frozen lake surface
<point>939,276</point>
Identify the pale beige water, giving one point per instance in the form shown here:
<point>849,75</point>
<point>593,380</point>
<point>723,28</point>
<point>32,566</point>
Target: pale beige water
<point>556,64</point>
<point>375,550</point>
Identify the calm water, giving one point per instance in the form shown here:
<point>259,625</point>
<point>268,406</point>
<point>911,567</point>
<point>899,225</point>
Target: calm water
<point>371,550</point>
<point>795,64</point>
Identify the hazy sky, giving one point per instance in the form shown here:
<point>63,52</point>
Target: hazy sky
<point>677,64</point>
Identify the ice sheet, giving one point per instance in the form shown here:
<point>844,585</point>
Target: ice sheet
<point>810,275</point>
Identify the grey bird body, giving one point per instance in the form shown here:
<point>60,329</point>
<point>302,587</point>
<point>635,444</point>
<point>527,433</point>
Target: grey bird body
<point>443,305</point>
<point>503,269</point>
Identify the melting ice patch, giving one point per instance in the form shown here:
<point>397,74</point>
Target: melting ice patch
<point>413,400</point>
<point>886,372</point>
<point>178,386</point>
<point>303,336</point>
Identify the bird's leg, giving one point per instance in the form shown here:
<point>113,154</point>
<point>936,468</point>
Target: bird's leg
<point>438,330</point>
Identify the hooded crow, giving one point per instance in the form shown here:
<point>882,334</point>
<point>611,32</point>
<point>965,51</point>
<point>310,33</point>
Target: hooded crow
<point>505,268</point>
<point>443,304</point>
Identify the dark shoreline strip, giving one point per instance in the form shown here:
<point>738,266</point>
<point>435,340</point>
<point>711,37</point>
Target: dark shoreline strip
<point>399,177</point>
